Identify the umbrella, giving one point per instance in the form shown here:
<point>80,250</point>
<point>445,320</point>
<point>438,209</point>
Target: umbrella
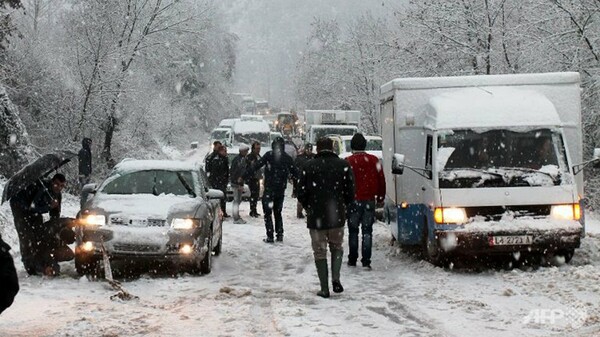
<point>34,171</point>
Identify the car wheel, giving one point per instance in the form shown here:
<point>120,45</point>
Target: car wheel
<point>206,263</point>
<point>86,266</point>
<point>217,248</point>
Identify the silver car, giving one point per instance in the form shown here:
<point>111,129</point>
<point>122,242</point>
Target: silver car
<point>153,211</point>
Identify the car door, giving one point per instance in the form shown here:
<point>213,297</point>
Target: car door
<point>214,207</point>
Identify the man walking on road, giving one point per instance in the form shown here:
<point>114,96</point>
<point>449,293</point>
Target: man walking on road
<point>253,180</point>
<point>370,189</point>
<point>238,169</point>
<point>326,190</point>
<point>279,167</point>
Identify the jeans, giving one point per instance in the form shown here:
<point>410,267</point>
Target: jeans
<point>362,217</point>
<point>273,203</point>
<point>237,200</point>
<point>254,185</point>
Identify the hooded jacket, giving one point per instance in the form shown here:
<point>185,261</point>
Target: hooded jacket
<point>85,157</point>
<point>279,167</point>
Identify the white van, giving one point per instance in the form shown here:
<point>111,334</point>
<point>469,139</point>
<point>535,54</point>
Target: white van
<point>484,164</point>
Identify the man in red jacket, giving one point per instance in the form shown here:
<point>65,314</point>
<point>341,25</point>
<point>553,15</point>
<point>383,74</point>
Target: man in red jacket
<point>369,191</point>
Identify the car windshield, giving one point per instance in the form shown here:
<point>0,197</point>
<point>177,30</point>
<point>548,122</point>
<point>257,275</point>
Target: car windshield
<point>248,138</point>
<point>219,134</point>
<point>533,158</point>
<point>374,145</point>
<point>154,182</point>
<point>322,132</point>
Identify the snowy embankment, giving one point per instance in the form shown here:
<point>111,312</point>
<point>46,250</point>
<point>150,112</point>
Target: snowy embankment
<point>258,289</point>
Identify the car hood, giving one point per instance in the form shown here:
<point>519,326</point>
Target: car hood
<point>144,206</point>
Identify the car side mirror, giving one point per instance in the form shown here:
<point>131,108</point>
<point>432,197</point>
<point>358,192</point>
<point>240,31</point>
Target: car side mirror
<point>398,164</point>
<point>88,188</point>
<point>215,194</point>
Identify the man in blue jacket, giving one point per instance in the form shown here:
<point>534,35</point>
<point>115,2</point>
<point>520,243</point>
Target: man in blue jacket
<point>279,168</point>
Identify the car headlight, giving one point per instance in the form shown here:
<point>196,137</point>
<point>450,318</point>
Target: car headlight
<point>179,223</point>
<point>566,212</point>
<point>453,215</point>
<point>93,220</point>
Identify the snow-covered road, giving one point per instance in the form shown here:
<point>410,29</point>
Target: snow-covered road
<point>258,289</point>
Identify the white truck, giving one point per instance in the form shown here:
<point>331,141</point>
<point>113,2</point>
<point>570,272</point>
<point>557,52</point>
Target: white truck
<point>484,165</point>
<point>321,123</point>
<point>250,129</point>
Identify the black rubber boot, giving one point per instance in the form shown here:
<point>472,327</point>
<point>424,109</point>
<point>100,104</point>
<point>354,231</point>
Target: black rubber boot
<point>323,277</point>
<point>336,265</point>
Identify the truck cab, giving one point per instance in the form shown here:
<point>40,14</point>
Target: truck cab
<point>321,123</point>
<point>483,165</point>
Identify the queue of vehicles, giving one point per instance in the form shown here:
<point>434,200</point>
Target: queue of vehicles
<point>474,165</point>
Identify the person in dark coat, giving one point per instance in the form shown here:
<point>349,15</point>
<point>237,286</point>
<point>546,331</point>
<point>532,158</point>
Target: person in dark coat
<point>40,250</point>
<point>8,277</point>
<point>85,162</point>
<point>253,180</point>
<point>279,167</point>
<point>217,169</point>
<point>326,191</point>
<point>238,171</point>
<point>215,152</point>
<point>306,155</point>
<point>370,190</point>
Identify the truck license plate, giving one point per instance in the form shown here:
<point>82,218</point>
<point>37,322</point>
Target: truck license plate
<point>511,240</point>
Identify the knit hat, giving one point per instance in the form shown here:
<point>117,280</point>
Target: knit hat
<point>358,142</point>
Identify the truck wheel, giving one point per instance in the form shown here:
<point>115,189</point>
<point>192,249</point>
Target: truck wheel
<point>567,254</point>
<point>431,250</point>
<point>206,263</point>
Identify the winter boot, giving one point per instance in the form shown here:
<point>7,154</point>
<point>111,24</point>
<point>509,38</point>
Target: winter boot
<point>336,265</point>
<point>323,277</point>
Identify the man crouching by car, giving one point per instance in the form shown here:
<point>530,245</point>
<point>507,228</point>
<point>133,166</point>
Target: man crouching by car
<point>8,277</point>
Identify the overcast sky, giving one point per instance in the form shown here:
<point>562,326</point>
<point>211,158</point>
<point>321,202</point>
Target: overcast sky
<point>272,33</point>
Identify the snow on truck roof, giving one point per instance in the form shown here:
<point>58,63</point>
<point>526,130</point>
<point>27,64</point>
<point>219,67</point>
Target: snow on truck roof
<point>478,80</point>
<point>489,107</point>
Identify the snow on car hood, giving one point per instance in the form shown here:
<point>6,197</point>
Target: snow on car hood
<point>145,206</point>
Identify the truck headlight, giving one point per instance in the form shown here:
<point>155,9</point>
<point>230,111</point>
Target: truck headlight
<point>179,223</point>
<point>93,220</point>
<point>566,212</point>
<point>453,215</point>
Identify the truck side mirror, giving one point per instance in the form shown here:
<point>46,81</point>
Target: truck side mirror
<point>398,164</point>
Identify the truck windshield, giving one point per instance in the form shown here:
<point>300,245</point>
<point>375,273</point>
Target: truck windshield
<point>499,158</point>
